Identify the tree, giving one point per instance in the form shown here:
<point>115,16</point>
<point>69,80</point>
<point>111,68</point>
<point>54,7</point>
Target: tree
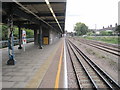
<point>80,28</point>
<point>4,32</point>
<point>90,32</point>
<point>29,33</point>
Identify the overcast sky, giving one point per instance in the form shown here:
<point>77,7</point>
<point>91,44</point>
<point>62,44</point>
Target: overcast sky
<point>91,12</point>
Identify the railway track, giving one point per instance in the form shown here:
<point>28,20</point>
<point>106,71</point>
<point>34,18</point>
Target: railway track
<point>102,43</point>
<point>106,48</point>
<point>87,73</point>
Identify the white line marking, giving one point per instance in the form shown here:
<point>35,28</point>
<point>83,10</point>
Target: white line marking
<point>65,67</point>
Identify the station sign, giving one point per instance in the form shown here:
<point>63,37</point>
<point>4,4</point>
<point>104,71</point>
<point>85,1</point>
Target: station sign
<point>24,37</point>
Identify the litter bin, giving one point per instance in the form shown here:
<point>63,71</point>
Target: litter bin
<point>45,40</point>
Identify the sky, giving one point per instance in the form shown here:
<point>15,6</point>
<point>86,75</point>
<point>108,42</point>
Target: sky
<point>93,13</point>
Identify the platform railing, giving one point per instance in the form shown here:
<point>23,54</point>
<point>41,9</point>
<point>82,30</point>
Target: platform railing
<point>4,43</point>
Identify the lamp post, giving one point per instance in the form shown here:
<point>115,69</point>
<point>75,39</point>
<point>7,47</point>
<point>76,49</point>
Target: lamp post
<point>95,29</point>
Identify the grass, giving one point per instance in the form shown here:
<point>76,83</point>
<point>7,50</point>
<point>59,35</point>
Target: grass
<point>112,63</point>
<point>107,39</point>
<point>90,51</point>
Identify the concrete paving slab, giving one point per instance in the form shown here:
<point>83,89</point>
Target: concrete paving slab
<point>18,78</point>
<point>49,80</point>
<point>6,78</point>
<point>8,84</point>
<point>27,64</point>
<point>19,84</point>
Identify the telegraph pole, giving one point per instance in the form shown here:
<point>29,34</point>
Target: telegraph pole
<point>95,29</point>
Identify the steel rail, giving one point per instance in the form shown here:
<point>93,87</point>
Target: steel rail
<point>109,45</point>
<point>92,81</point>
<point>105,49</point>
<point>101,45</point>
<point>107,83</point>
<point>117,54</point>
<point>115,86</point>
<point>73,66</point>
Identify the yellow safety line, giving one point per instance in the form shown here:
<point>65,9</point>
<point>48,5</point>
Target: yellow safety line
<point>59,70</point>
<point>37,78</point>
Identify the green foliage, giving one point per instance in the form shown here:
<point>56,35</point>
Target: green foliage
<point>4,32</point>
<point>29,33</point>
<point>107,39</point>
<point>80,28</point>
<point>106,33</point>
<point>90,32</point>
<point>110,33</point>
<point>15,33</point>
<point>103,33</point>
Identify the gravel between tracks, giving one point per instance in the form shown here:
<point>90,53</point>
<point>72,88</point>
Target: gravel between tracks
<point>107,61</point>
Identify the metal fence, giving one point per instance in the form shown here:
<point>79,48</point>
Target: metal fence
<point>4,43</point>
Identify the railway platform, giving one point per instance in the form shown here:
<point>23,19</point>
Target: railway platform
<point>51,61</point>
<point>34,68</point>
<point>40,64</point>
<point>63,64</point>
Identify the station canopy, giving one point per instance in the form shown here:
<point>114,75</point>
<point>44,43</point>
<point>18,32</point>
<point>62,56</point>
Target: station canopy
<point>50,14</point>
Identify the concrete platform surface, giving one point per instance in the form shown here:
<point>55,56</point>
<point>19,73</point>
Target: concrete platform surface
<point>31,65</point>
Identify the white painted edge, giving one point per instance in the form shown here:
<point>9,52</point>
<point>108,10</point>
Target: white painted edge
<point>65,67</point>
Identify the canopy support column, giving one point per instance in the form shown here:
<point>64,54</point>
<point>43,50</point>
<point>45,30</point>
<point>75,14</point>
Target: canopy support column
<point>20,37</point>
<point>40,37</point>
<point>11,60</point>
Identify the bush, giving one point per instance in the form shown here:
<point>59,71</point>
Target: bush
<point>4,36</point>
<point>4,32</point>
<point>29,33</point>
<point>106,33</point>
<point>107,39</point>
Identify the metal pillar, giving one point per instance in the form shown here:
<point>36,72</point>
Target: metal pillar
<point>20,37</point>
<point>11,60</point>
<point>35,37</point>
<point>40,36</point>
